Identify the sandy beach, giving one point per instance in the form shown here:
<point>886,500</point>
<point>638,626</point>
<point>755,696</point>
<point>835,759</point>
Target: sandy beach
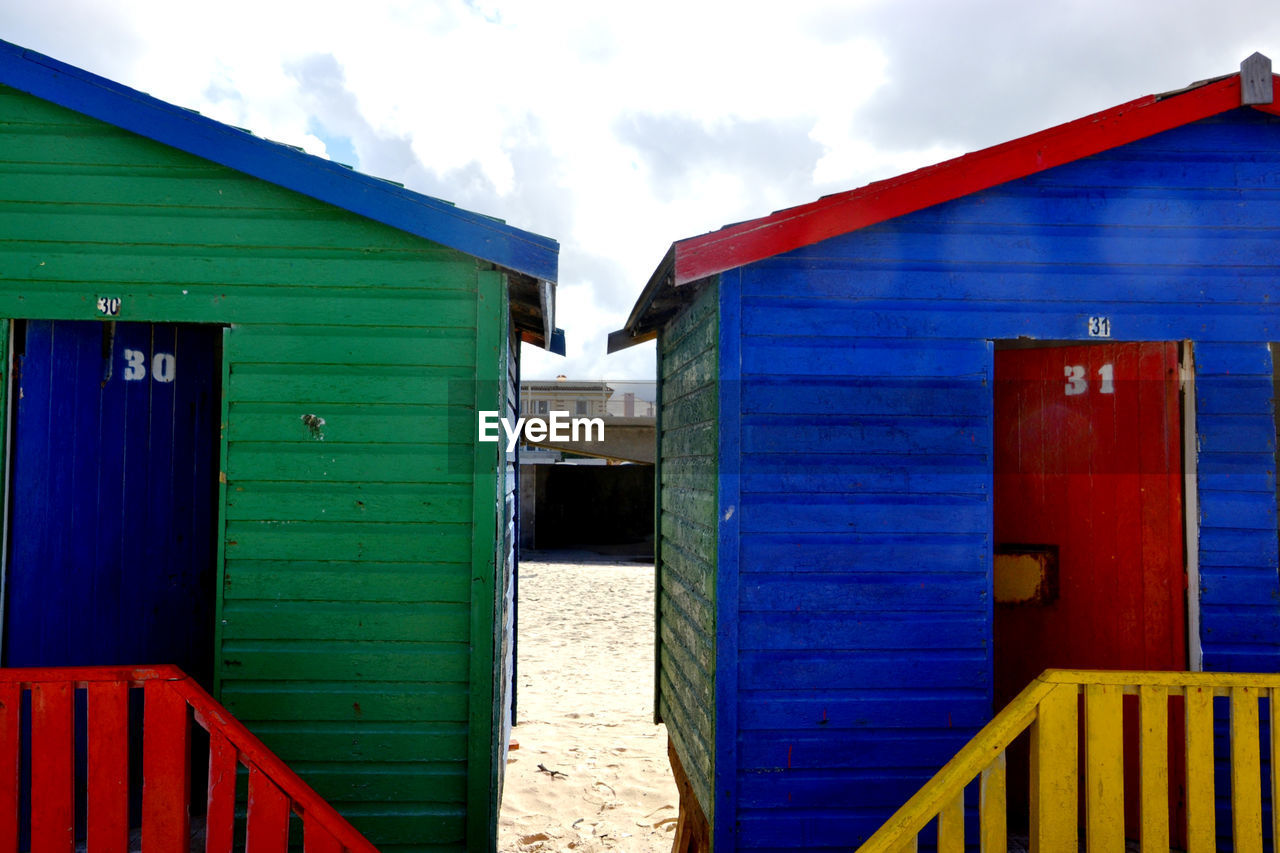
<point>590,772</point>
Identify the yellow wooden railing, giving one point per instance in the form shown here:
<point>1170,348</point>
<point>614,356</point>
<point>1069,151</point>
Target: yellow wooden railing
<point>1048,708</point>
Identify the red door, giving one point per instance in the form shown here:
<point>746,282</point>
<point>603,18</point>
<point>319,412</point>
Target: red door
<point>1088,520</point>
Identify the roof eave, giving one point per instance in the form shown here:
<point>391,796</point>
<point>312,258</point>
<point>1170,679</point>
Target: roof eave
<point>832,216</point>
<point>640,326</point>
<point>533,310</point>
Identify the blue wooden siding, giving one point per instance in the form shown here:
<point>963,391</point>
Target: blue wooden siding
<point>866,443</point>
<point>1236,432</point>
<point>687,358</point>
<point>729,518</point>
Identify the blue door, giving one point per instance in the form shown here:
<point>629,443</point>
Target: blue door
<point>112,543</point>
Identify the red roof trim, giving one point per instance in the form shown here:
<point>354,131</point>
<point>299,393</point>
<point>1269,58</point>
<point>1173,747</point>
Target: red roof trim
<point>832,216</point>
<point>1272,108</point>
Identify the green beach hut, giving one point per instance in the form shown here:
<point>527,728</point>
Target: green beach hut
<point>241,386</point>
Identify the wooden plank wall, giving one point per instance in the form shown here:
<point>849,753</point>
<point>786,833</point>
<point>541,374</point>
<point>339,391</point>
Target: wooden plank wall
<point>505,598</point>
<point>687,354</point>
<point>346,598</point>
<point>865,621</point>
<point>488,567</point>
<point>1239,578</point>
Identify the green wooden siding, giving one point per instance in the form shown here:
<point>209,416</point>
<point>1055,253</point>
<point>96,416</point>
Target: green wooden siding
<point>353,586</point>
<point>484,746</point>
<point>687,364</point>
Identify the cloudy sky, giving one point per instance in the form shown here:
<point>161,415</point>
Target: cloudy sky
<point>617,128</point>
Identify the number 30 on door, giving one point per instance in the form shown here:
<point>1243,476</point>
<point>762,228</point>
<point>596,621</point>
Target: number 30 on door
<point>164,367</point>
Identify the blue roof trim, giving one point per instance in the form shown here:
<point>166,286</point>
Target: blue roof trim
<point>373,198</point>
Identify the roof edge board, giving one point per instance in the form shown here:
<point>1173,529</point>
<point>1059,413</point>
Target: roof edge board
<point>832,216</point>
<point>373,198</point>
<point>547,297</point>
<point>623,339</point>
<point>630,334</point>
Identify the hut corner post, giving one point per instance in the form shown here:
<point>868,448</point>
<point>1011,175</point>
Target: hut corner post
<point>693,832</point>
<point>657,536</point>
<point>6,380</point>
<point>220,555</point>
<point>482,734</point>
<point>728,366</point>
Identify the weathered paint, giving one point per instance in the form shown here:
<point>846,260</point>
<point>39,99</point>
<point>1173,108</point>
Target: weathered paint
<point>864,462</point>
<point>1048,709</point>
<point>1025,575</point>
<point>59,706</point>
<point>1088,459</point>
<point>687,363</point>
<point>357,572</point>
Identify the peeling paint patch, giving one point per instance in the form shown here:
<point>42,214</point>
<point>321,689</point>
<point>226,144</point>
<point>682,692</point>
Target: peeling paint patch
<point>313,424</point>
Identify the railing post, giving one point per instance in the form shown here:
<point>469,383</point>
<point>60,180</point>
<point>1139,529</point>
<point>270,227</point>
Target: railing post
<point>1104,768</point>
<point>991,805</point>
<point>53,820</point>
<point>1273,704</point>
<point>267,818</point>
<point>1054,768</point>
<point>107,789</point>
<point>10,749</point>
<point>220,807</point>
<point>166,775</point>
<point>1153,766</point>
<point>1246,774</point>
<point>951,826</point>
<point>1201,820</point>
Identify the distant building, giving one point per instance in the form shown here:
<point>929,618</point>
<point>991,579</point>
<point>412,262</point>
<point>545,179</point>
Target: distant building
<point>586,399</point>
<point>589,398</point>
<point>633,400</point>
<point>595,494</point>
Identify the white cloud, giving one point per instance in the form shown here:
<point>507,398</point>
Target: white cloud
<point>618,128</point>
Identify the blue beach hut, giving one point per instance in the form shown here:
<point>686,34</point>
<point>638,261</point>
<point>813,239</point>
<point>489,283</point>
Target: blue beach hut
<point>921,440</point>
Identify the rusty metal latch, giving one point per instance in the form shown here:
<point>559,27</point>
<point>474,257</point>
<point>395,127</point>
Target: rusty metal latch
<point>1026,574</point>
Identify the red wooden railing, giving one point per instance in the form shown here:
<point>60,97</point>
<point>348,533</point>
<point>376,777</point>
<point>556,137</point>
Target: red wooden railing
<point>172,700</point>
